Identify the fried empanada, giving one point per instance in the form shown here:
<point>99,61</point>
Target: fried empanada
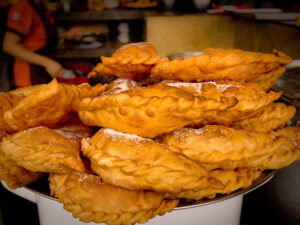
<point>15,176</point>
<point>232,180</point>
<point>149,111</point>
<point>47,105</point>
<point>221,64</point>
<point>132,61</point>
<point>250,98</point>
<point>41,149</point>
<point>90,200</point>
<point>137,163</point>
<point>215,144</point>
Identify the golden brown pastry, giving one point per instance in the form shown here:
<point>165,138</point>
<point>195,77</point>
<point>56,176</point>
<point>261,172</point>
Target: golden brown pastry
<point>90,200</point>
<point>119,85</point>
<point>271,117</point>
<point>27,91</point>
<point>47,105</point>
<point>267,80</point>
<point>221,64</point>
<point>7,102</point>
<point>215,144</point>
<point>148,111</point>
<point>41,149</point>
<point>15,176</point>
<point>250,98</point>
<point>74,130</point>
<point>232,180</point>
<point>132,61</point>
<point>137,163</point>
<point>227,148</point>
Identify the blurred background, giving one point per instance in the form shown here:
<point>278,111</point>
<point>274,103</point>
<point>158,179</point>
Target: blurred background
<point>174,27</point>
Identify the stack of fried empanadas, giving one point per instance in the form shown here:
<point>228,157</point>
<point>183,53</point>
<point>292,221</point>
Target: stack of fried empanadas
<point>122,153</point>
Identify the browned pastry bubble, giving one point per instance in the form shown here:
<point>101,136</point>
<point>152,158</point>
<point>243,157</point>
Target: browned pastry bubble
<point>90,200</point>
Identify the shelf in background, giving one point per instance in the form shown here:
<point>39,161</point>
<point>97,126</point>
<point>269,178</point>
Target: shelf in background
<point>109,14</point>
<point>65,52</point>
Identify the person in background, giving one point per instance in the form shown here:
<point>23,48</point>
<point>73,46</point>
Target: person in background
<point>30,32</point>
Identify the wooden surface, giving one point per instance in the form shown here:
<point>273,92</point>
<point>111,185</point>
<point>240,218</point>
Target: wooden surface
<point>176,34</point>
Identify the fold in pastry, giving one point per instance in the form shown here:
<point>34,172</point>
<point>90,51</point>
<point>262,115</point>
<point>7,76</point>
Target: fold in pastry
<point>271,117</point>
<point>137,163</point>
<point>41,149</point>
<point>215,144</point>
<point>232,180</point>
<point>90,200</point>
<point>221,64</point>
<point>47,105</point>
<point>148,111</point>
<point>15,176</point>
<point>132,61</point>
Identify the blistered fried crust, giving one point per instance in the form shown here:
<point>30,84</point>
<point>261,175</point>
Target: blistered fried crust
<point>90,200</point>
<point>14,175</point>
<point>137,163</point>
<point>41,149</point>
<point>220,64</point>
<point>132,61</point>
<point>148,111</point>
<point>7,102</point>
<point>271,117</point>
<point>215,144</point>
<point>232,180</point>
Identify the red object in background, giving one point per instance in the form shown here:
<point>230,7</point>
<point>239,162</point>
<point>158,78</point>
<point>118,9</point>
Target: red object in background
<point>76,80</point>
<point>84,68</point>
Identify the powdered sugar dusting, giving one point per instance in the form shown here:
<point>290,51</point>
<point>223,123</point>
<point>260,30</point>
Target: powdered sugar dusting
<point>116,135</point>
<point>198,86</point>
<point>189,132</point>
<point>121,85</point>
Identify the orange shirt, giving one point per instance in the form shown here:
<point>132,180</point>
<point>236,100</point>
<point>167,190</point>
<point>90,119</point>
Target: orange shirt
<point>25,21</point>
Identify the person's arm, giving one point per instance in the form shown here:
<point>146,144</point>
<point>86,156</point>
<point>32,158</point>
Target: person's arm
<point>73,33</point>
<point>12,46</point>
